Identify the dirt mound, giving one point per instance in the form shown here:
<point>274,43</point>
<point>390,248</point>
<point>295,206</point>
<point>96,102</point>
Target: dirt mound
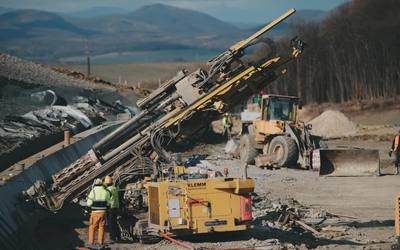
<point>20,80</point>
<point>333,123</point>
<point>34,73</point>
<point>99,81</point>
<point>81,76</point>
<point>22,84</point>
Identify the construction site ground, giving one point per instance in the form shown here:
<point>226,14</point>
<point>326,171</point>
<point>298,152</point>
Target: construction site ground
<point>363,206</point>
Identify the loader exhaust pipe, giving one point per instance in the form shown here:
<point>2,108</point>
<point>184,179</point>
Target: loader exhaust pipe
<point>244,169</point>
<point>347,162</point>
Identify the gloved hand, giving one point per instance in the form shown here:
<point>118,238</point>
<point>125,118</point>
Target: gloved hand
<point>390,153</point>
<point>87,211</point>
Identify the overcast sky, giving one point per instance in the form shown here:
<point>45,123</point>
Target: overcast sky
<point>257,11</point>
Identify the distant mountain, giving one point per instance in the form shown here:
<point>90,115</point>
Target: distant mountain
<point>309,15</point>
<point>96,12</point>
<point>21,24</point>
<point>282,26</point>
<point>244,25</point>
<point>5,10</point>
<point>47,36</point>
<point>158,18</point>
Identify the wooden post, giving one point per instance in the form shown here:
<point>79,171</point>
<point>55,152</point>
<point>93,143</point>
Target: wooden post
<point>87,56</point>
<point>66,138</point>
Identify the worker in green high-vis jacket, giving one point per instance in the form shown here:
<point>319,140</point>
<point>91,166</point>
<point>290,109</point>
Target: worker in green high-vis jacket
<point>228,124</point>
<point>112,214</point>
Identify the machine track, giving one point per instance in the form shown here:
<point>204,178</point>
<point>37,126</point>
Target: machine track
<point>142,234</point>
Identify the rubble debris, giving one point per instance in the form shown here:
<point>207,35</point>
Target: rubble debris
<point>194,160</point>
<point>289,215</point>
<point>329,228</point>
<point>340,215</point>
<point>232,147</point>
<point>306,227</point>
<point>57,115</point>
<point>312,221</point>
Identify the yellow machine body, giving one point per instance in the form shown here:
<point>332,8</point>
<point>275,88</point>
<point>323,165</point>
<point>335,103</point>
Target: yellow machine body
<point>199,206</point>
<point>266,126</point>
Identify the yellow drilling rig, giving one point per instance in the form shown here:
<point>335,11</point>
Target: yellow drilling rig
<point>182,203</point>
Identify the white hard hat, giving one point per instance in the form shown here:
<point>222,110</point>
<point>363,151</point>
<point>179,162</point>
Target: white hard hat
<point>108,180</point>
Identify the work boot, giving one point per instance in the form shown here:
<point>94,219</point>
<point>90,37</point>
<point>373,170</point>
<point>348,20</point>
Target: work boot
<point>397,170</point>
<point>110,241</point>
<point>89,245</point>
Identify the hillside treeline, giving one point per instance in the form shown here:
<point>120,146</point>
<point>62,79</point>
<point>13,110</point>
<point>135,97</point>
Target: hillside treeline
<point>353,55</point>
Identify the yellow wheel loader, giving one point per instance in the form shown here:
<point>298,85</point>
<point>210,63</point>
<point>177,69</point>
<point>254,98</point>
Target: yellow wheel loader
<point>277,134</point>
<point>272,136</point>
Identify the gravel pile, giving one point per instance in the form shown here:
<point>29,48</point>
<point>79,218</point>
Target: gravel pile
<point>332,123</point>
<point>33,73</point>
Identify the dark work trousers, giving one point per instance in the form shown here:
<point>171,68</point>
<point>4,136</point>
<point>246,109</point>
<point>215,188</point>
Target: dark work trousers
<point>397,158</point>
<point>112,223</point>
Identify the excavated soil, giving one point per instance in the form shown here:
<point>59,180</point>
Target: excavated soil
<point>21,85</point>
<point>332,123</point>
<point>20,80</point>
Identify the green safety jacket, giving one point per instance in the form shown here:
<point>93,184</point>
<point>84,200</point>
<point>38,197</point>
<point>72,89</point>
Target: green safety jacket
<point>99,199</point>
<point>226,122</point>
<point>114,196</point>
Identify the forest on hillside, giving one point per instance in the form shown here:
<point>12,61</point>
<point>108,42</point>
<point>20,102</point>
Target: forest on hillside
<point>353,55</point>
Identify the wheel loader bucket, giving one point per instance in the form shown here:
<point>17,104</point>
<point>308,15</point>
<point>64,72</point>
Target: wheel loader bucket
<point>346,162</point>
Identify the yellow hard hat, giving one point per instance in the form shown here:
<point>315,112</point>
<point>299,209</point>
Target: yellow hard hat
<point>98,181</point>
<point>108,180</point>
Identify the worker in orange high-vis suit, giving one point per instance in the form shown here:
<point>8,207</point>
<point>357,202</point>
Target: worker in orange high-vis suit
<point>395,149</point>
<point>99,200</point>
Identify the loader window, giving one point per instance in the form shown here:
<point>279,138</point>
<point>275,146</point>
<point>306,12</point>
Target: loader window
<point>281,109</point>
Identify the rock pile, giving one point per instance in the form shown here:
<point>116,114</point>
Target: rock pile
<point>332,123</point>
<point>34,73</point>
<point>23,88</point>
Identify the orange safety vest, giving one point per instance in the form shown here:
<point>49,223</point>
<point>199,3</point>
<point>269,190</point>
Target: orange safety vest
<point>396,142</point>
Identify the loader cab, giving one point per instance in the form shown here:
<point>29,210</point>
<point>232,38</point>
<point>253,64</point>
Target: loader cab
<point>282,108</point>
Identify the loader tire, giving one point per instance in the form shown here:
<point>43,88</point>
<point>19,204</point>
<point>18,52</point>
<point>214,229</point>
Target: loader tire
<point>286,149</point>
<point>247,149</point>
